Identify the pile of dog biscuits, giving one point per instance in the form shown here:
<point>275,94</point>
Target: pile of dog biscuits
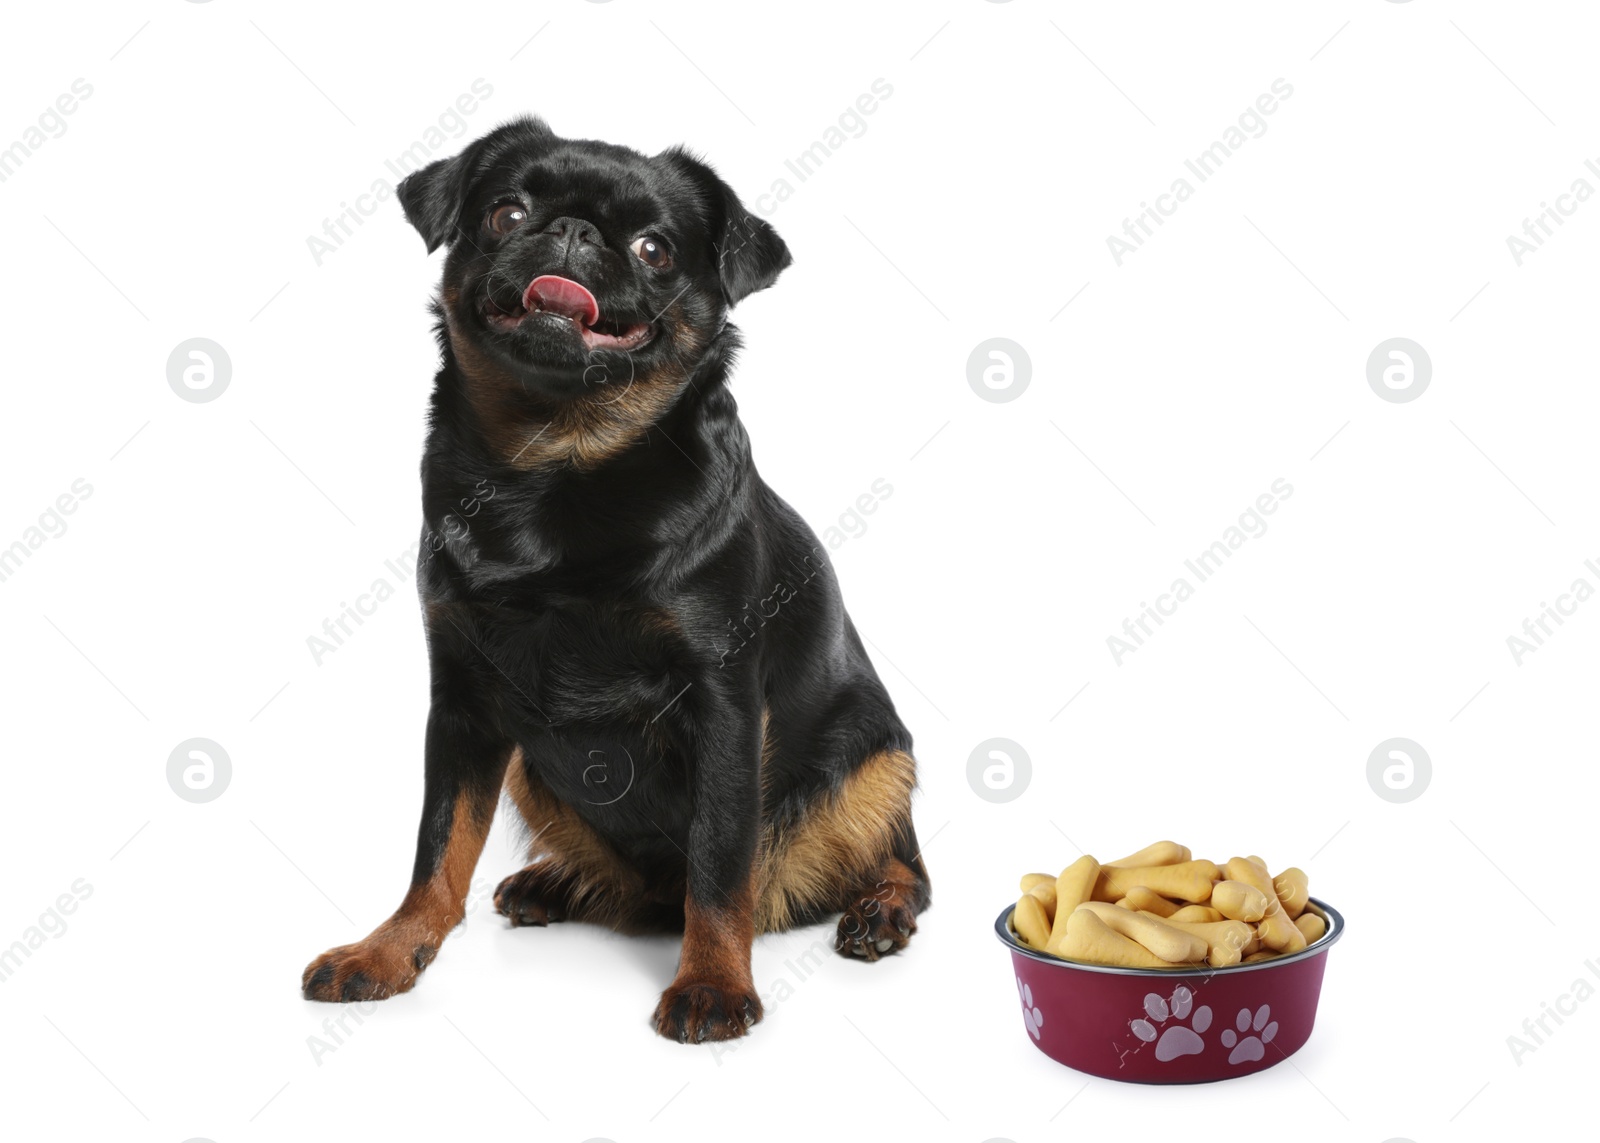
<point>1160,908</point>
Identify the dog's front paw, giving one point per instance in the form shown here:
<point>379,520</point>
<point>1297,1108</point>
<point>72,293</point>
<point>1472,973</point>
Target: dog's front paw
<point>373,969</point>
<point>697,1011</point>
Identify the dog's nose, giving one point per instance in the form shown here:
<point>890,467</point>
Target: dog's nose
<point>574,231</point>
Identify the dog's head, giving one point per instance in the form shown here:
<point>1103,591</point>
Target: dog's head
<point>578,268</point>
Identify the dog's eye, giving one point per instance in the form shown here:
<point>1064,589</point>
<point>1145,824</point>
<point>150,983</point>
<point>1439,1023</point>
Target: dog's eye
<point>652,252</point>
<point>506,217</point>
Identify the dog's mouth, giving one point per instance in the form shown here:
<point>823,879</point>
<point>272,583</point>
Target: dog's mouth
<point>554,297</point>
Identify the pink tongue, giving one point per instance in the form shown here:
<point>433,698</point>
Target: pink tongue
<point>562,296</point>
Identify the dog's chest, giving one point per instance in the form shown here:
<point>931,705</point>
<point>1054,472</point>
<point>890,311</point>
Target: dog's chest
<point>598,692</point>
<point>563,662</point>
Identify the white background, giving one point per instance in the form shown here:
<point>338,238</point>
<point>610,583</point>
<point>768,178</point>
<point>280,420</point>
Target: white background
<point>1175,388</point>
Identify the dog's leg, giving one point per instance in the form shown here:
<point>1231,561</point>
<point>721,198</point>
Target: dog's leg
<point>713,996</point>
<point>466,761</point>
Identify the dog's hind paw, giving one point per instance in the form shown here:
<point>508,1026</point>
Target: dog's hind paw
<point>875,926</point>
<point>529,897</point>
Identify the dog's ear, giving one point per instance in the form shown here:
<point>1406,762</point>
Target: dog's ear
<point>434,197</point>
<point>750,255</point>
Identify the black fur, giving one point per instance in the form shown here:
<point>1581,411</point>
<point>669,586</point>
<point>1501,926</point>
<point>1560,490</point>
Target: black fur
<point>625,612</point>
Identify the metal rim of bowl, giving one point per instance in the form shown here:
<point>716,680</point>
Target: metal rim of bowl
<point>1334,918</point>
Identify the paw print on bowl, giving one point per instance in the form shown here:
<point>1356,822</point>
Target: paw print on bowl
<point>1031,1016</point>
<point>1163,1028</point>
<point>1250,1048</point>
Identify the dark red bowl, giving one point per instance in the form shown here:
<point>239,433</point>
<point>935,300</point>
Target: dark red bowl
<point>1147,1025</point>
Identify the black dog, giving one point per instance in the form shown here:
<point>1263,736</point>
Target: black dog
<point>628,631</point>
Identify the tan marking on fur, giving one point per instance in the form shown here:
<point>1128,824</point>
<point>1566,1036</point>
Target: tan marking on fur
<point>659,621</point>
<point>605,889</point>
<point>712,995</point>
<point>769,751</point>
<point>584,431</point>
<point>769,746</point>
<point>846,835</point>
<point>440,902</point>
<point>716,943</point>
<point>892,884</point>
<point>392,955</point>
